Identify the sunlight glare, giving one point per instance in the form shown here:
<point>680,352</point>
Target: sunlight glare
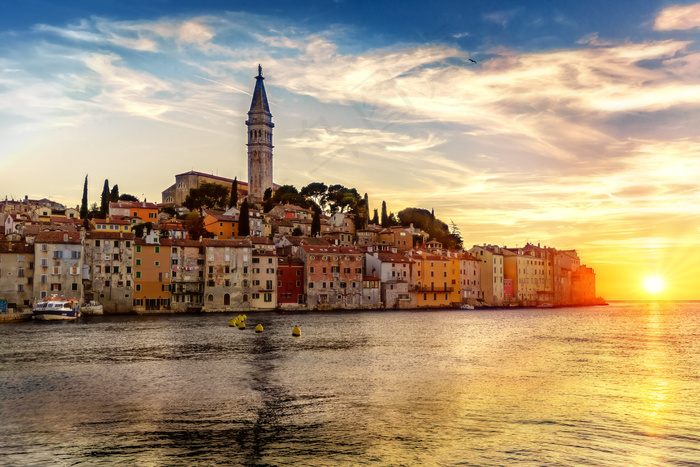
<point>654,284</point>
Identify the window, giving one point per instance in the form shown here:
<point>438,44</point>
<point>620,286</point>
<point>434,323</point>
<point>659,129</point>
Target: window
<point>138,262</point>
<point>55,286</point>
<point>138,248</point>
<point>138,274</point>
<point>138,287</point>
<point>311,269</point>
<point>107,269</point>
<point>57,254</point>
<point>20,272</point>
<point>298,272</point>
<point>128,244</point>
<point>268,285</point>
<point>44,278</point>
<point>44,263</point>
<point>256,260</point>
<point>20,287</point>
<point>106,283</point>
<point>46,247</point>
<point>268,297</point>
<point>75,255</point>
<point>155,263</point>
<point>311,285</point>
<point>157,249</point>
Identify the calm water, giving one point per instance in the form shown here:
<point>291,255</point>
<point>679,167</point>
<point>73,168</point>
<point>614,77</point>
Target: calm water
<point>615,385</point>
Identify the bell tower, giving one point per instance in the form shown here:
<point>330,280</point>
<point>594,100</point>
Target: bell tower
<point>259,142</point>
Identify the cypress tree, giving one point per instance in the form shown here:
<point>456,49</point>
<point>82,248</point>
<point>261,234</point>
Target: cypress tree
<point>375,219</point>
<point>84,204</point>
<point>244,220</point>
<point>385,216</point>
<point>234,194</point>
<point>104,201</point>
<point>316,223</point>
<point>365,214</point>
<point>114,195</point>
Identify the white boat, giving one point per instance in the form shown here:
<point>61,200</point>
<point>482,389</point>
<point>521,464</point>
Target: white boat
<point>56,309</point>
<point>92,308</point>
<point>467,306</point>
<point>545,305</point>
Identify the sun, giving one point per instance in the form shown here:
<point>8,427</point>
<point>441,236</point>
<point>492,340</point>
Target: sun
<point>654,284</point>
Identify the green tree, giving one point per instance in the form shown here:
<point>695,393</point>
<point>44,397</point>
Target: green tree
<point>244,220</point>
<point>297,232</point>
<point>114,194</point>
<point>341,199</point>
<point>234,194</point>
<point>207,196</point>
<point>385,216</point>
<point>375,218</point>
<point>84,203</point>
<point>268,194</point>
<point>194,223</point>
<point>316,223</point>
<point>289,194</point>
<point>104,204</point>
<point>316,193</point>
<point>128,197</point>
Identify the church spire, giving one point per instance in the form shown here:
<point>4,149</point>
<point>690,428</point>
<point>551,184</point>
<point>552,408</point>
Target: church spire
<point>259,102</point>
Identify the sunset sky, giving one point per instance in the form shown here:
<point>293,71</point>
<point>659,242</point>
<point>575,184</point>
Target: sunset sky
<point>577,127</point>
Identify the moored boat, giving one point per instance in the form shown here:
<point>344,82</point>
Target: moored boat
<point>92,308</point>
<point>467,306</point>
<point>56,309</point>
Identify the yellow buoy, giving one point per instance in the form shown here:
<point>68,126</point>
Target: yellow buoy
<point>258,328</point>
<point>233,322</point>
<point>241,325</point>
<point>296,331</point>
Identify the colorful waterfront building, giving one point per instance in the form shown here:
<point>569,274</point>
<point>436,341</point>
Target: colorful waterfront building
<point>433,278</point>
<point>395,271</point>
<point>152,275</point>
<point>108,269</point>
<point>58,265</point>
<point>290,282</point>
<point>491,262</point>
<point>227,274</point>
<point>17,274</point>
<point>187,275</point>
<point>264,280</point>
<point>333,277</point>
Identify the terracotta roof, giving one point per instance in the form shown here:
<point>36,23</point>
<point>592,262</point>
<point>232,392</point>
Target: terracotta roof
<point>95,234</point>
<point>58,237</point>
<point>235,242</point>
<point>133,204</point>
<point>16,247</point>
<point>393,258</point>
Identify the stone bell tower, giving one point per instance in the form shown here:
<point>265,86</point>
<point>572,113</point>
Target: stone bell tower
<point>259,142</point>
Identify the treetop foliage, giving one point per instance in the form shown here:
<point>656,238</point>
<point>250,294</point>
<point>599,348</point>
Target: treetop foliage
<point>207,196</point>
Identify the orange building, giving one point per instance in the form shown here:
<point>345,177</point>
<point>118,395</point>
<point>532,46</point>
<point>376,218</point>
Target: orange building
<point>220,225</point>
<point>152,275</point>
<point>147,212</point>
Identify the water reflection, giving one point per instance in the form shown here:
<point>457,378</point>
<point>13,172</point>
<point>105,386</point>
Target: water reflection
<point>602,386</point>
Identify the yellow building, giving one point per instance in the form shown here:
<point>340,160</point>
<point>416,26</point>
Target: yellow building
<point>436,279</point>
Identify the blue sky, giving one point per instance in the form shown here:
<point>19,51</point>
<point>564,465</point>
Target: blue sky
<point>576,127</point>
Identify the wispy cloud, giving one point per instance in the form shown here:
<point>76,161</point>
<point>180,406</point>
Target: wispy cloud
<point>678,17</point>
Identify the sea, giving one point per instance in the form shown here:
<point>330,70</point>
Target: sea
<point>608,385</point>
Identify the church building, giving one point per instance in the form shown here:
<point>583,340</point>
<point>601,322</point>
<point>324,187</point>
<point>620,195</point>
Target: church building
<point>259,142</point>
